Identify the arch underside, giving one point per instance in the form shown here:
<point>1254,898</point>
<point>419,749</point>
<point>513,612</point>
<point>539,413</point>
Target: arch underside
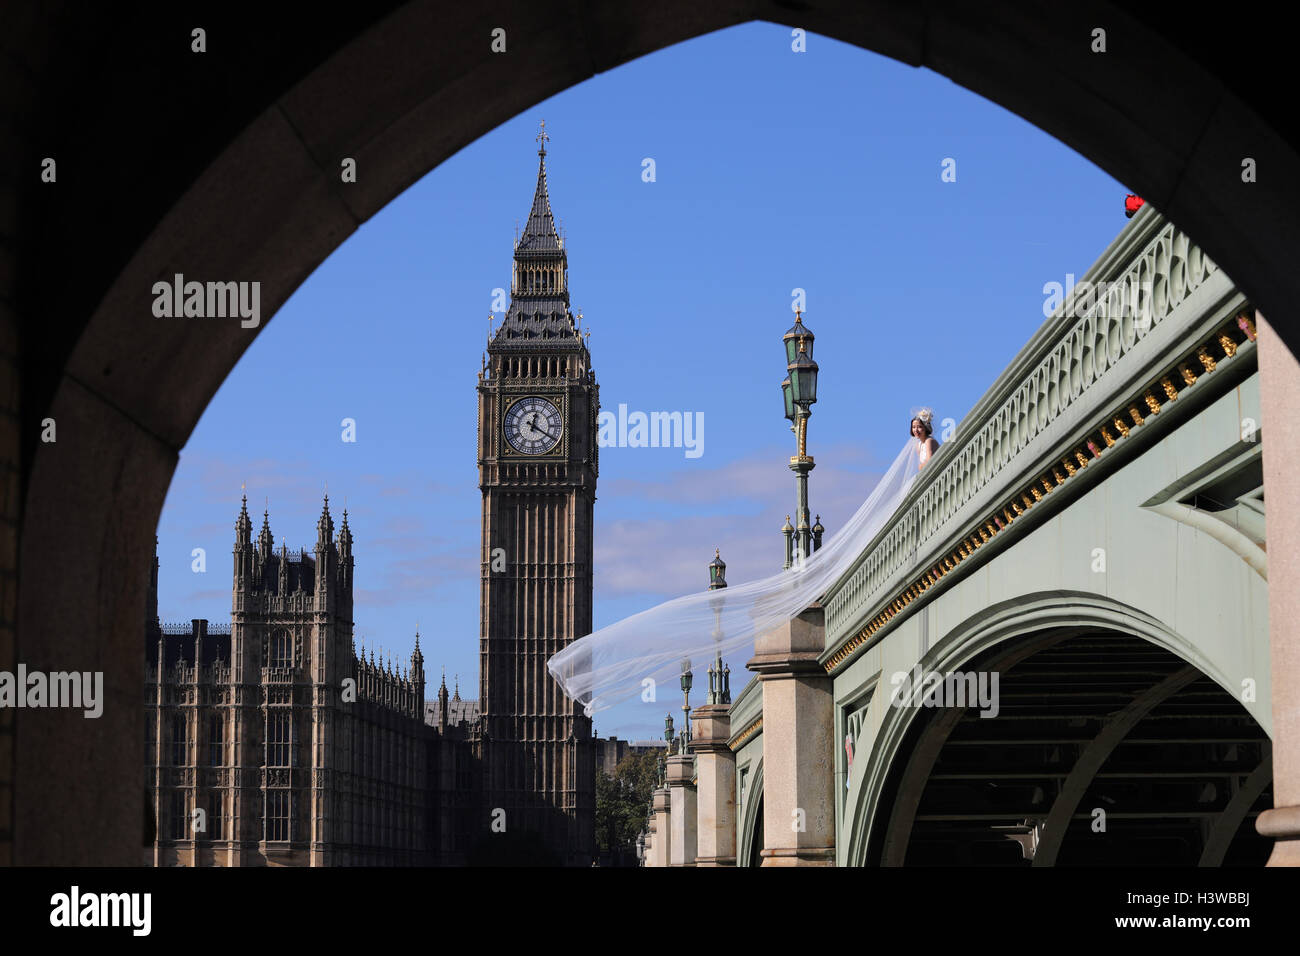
<point>1106,749</point>
<point>751,828</point>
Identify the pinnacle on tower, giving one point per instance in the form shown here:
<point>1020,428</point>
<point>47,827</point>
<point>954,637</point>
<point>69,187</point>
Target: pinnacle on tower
<point>243,524</point>
<point>325,524</point>
<point>265,540</point>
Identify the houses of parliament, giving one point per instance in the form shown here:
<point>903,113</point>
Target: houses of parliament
<point>273,742</point>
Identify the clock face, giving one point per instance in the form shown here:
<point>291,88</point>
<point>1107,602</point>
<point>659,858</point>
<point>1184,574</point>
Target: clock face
<point>533,426</point>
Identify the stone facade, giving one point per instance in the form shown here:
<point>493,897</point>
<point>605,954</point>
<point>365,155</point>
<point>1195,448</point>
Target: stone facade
<point>271,741</point>
<point>610,751</point>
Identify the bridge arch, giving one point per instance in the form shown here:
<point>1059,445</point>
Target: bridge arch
<point>1161,665</point>
<point>751,820</point>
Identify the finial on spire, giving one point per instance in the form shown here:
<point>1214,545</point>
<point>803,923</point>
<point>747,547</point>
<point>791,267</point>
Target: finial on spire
<point>543,139</point>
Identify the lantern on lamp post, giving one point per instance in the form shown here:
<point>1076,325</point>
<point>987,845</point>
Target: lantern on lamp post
<point>687,679</point>
<point>799,393</point>
<point>719,674</point>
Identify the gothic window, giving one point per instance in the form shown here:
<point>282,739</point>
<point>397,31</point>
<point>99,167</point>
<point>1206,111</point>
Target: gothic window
<point>277,814</point>
<point>179,740</point>
<point>180,819</point>
<point>214,815</point>
<point>216,740</point>
<point>281,651</point>
<point>278,725</point>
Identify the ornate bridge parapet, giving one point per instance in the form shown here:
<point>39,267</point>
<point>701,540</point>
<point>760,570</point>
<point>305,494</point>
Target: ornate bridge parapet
<point>1148,333</point>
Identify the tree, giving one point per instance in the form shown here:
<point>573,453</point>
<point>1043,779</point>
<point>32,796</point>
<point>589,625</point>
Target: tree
<point>621,802</point>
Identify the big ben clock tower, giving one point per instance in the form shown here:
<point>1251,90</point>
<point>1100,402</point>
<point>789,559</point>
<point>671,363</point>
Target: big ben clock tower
<point>537,409</point>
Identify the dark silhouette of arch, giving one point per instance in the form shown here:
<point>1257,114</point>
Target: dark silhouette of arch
<point>144,192</point>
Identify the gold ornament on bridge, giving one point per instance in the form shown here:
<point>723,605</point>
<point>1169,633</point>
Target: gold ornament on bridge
<point>1152,403</point>
<point>1083,462</point>
<point>1229,346</point>
<point>1189,377</point>
<point>1047,486</point>
<point>1134,414</point>
<point>1207,360</point>
<point>1123,429</point>
<point>1038,495</point>
<point>1069,467</point>
<point>1106,437</point>
<point>1170,391</point>
<point>1057,475</point>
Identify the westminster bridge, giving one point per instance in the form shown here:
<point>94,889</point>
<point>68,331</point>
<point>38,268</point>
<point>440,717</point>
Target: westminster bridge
<point>1057,650</point>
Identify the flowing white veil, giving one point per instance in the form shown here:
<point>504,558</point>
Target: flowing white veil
<point>610,665</point>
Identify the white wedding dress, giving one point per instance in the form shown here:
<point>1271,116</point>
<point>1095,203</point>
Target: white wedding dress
<point>619,661</point>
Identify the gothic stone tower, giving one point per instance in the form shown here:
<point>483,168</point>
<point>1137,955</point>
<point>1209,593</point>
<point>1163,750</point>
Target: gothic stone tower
<point>537,408</point>
<point>291,648</point>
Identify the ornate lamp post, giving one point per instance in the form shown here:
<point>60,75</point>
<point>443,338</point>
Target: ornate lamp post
<point>687,678</point>
<point>668,735</point>
<point>799,391</point>
<point>719,675</point>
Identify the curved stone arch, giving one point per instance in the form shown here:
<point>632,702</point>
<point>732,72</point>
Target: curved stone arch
<point>1053,616</point>
<point>137,389</point>
<point>749,816</point>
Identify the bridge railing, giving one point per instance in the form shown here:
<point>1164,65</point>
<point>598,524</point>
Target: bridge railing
<point>1149,290</point>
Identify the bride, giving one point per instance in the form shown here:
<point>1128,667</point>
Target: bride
<point>922,431</point>
<point>632,656</point>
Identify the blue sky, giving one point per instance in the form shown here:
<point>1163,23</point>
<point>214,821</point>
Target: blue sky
<point>775,170</point>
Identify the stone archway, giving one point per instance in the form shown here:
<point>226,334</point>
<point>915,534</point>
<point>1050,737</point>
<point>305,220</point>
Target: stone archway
<point>260,200</point>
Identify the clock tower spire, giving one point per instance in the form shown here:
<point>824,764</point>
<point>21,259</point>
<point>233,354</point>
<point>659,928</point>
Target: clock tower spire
<point>538,402</point>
